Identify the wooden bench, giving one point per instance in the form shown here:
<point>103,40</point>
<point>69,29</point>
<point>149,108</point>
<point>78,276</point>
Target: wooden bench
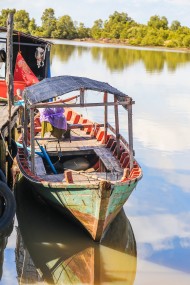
<point>110,162</point>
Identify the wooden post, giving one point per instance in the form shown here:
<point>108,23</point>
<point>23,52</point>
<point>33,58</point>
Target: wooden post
<point>116,125</point>
<point>105,116</point>
<point>9,71</point>
<point>25,125</point>
<point>2,155</point>
<point>82,96</point>
<point>130,129</point>
<point>32,142</point>
<point>47,51</point>
<point>9,83</point>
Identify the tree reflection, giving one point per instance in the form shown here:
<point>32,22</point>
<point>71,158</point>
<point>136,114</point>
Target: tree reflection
<point>62,52</point>
<point>117,59</point>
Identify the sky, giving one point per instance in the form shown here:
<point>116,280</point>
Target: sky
<point>87,11</point>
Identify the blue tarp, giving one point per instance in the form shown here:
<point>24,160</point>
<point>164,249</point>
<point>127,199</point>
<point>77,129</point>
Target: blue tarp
<point>59,85</point>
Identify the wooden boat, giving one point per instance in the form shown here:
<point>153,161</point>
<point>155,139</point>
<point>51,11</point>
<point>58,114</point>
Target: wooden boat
<point>92,194</point>
<point>59,252</point>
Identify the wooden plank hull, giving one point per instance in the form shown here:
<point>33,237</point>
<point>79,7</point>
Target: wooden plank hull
<point>94,208</point>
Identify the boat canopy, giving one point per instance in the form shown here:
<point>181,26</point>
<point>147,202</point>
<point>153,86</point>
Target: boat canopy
<point>50,88</point>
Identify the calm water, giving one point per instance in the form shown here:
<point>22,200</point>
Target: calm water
<point>151,240</point>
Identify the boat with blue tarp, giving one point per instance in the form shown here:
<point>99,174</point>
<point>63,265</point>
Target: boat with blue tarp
<point>87,170</point>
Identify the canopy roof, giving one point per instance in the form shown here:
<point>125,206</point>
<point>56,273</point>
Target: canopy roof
<point>52,87</point>
<point>23,37</point>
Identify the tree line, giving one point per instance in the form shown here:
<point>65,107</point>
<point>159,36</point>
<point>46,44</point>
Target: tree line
<point>118,28</point>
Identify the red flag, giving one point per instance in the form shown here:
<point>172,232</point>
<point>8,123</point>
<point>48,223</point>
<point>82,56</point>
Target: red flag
<point>23,72</point>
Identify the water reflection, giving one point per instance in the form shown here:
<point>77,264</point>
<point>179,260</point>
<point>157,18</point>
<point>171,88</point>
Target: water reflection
<point>4,234</point>
<point>51,248</point>
<point>118,59</point>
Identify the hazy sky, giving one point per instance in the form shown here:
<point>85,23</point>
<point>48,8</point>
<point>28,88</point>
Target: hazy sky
<point>87,11</point>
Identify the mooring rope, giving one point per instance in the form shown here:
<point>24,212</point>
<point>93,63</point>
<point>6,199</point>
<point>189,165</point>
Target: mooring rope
<point>7,149</point>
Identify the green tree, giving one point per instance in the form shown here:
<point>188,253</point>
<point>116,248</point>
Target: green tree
<point>38,32</point>
<point>96,30</point>
<point>116,24</point>
<point>82,31</point>
<point>48,22</point>
<point>117,17</point>
<point>32,26</point>
<point>175,25</point>
<point>158,22</point>
<point>21,21</point>
<point>138,31</point>
<point>4,16</point>
<point>171,43</point>
<point>65,28</point>
<point>186,41</point>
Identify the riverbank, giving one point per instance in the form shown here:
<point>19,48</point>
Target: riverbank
<point>119,43</point>
<point>124,43</point>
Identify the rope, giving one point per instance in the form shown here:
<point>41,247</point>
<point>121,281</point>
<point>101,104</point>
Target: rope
<point>79,135</point>
<point>6,146</point>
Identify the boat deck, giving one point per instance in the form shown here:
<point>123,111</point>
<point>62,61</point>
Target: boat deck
<point>80,143</point>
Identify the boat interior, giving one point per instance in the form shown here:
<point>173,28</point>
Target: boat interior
<point>85,154</point>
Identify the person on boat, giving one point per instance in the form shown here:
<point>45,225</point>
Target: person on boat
<point>53,121</point>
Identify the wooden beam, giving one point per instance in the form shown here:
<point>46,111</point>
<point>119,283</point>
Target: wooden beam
<point>117,125</point>
<point>105,116</point>
<point>46,105</point>
<point>83,126</point>
<point>2,156</point>
<point>29,44</point>
<point>9,72</point>
<point>32,142</point>
<point>122,139</point>
<point>10,87</point>
<point>9,59</point>
<point>25,126</point>
<point>82,96</point>
<point>130,130</point>
<point>47,51</point>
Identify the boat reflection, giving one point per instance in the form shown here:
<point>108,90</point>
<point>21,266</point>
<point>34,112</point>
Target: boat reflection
<point>4,234</point>
<point>52,249</point>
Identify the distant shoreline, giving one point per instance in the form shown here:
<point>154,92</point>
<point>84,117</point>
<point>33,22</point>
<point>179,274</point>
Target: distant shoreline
<point>120,43</point>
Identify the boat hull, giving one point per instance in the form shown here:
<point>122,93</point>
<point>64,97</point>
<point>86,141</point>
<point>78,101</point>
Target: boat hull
<point>94,207</point>
<point>93,195</point>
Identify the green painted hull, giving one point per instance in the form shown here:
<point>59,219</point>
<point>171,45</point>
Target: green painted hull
<point>95,208</point>
<point>93,204</point>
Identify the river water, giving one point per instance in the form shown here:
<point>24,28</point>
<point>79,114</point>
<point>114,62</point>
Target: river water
<point>149,243</point>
